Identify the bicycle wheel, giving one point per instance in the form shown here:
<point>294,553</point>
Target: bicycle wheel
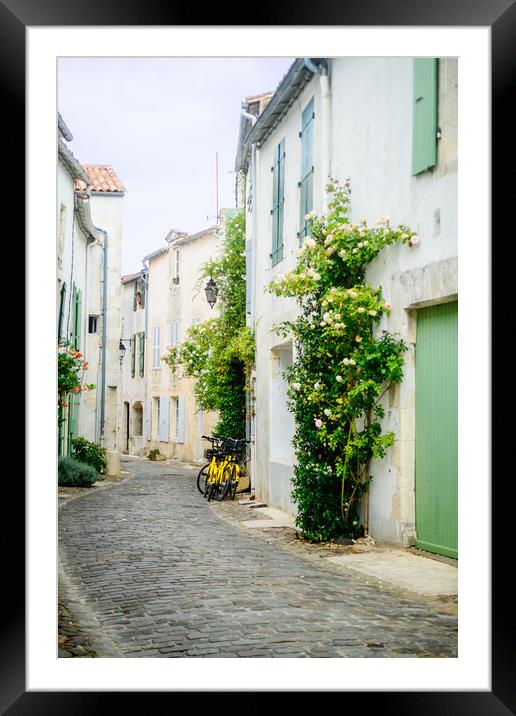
<point>224,483</point>
<point>233,482</point>
<point>202,477</point>
<point>212,491</point>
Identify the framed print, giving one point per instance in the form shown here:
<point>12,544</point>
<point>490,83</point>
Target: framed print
<point>479,679</point>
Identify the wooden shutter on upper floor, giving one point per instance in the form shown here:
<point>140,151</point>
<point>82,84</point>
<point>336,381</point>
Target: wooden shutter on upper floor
<point>306,183</point>
<point>424,114</point>
<point>142,353</point>
<point>133,356</point>
<point>278,199</point>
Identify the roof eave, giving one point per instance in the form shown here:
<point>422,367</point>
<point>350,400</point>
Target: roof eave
<point>288,91</point>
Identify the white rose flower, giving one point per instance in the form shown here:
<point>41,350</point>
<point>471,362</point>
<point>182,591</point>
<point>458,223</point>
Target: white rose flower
<point>360,244</point>
<point>372,312</point>
<point>352,362</point>
<point>326,316</point>
<point>361,309</point>
<point>296,386</point>
<point>339,379</point>
<point>327,412</point>
<point>342,254</point>
<point>346,361</point>
<point>316,276</point>
<point>337,316</point>
<point>316,386</point>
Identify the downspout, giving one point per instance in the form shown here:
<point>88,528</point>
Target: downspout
<point>145,278</point>
<point>252,265</point>
<point>322,70</point>
<point>104,339</point>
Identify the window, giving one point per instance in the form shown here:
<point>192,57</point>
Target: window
<point>156,348</point>
<point>306,185</point>
<point>195,320</point>
<point>424,115</point>
<point>61,234</point>
<point>92,324</point>
<point>278,200</point>
<point>174,333</point>
<point>176,269</point>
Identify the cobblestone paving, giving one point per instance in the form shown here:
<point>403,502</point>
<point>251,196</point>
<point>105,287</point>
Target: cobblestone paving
<point>163,573</point>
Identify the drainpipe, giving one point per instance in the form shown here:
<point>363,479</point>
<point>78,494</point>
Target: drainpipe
<point>322,70</point>
<point>145,277</point>
<point>251,278</point>
<point>104,339</point>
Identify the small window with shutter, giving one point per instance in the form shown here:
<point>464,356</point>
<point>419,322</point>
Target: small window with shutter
<point>424,114</point>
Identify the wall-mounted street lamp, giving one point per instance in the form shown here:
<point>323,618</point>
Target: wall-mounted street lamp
<point>211,291</point>
<point>122,348</point>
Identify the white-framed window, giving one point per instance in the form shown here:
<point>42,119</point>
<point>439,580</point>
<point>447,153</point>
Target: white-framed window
<point>156,350</point>
<point>176,266</point>
<point>195,320</point>
<point>174,333</point>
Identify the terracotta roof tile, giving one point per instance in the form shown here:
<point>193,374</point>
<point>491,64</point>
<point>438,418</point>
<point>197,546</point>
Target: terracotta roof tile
<point>102,178</point>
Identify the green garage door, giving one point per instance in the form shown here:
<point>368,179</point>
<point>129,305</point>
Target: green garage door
<point>436,429</point>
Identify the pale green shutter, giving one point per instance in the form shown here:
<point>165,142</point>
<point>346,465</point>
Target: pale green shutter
<point>79,319</point>
<point>307,168</point>
<point>424,115</point>
<point>143,294</point>
<point>135,292</point>
<point>75,337</point>
<point>278,187</point>
<point>133,356</point>
<point>142,353</point>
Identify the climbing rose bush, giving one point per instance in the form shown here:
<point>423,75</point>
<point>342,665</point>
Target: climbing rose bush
<point>71,368</point>
<point>344,365</point>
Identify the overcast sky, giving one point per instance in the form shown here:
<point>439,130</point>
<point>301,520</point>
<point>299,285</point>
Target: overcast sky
<point>159,122</point>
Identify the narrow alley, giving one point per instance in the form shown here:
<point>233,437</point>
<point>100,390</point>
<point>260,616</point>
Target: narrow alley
<point>148,568</point>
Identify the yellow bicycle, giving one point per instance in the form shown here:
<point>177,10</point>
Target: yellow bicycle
<point>221,475</point>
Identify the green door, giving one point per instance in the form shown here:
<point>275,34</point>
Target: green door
<point>436,429</point>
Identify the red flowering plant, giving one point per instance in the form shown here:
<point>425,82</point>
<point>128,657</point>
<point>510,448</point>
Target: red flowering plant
<point>71,368</point>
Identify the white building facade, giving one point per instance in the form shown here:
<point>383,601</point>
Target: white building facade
<point>160,303</point>
<point>89,235</point>
<point>390,125</point>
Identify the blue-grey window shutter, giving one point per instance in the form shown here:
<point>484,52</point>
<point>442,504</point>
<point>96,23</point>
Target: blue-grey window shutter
<point>163,419</point>
<point>307,168</point>
<point>278,184</point>
<point>147,418</point>
<point>181,419</point>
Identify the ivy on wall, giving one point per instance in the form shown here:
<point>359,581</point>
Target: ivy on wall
<point>218,353</point>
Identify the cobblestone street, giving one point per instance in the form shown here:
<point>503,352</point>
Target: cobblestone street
<point>151,569</point>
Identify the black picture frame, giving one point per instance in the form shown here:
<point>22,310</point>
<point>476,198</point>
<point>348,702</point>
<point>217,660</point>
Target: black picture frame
<point>500,16</point>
